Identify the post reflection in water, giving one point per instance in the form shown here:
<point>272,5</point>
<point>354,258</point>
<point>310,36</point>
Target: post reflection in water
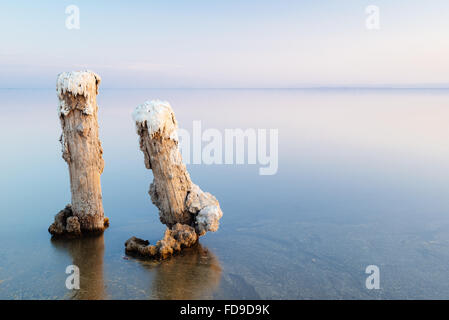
<point>193,274</point>
<point>87,254</point>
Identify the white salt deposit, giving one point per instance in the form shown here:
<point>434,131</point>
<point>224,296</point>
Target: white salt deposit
<point>158,117</point>
<point>206,208</point>
<point>208,218</point>
<point>77,83</point>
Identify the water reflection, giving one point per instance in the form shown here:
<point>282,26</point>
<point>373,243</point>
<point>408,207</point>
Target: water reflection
<point>193,274</point>
<point>87,253</point>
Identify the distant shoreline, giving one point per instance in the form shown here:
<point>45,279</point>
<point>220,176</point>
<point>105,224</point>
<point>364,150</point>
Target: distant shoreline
<point>298,88</point>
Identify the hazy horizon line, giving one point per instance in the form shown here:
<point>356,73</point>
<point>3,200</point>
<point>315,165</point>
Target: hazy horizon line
<point>397,87</point>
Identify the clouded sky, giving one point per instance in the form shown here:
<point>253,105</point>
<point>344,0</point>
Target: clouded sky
<point>154,44</point>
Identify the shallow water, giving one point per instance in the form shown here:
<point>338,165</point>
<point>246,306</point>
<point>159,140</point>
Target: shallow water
<point>362,180</point>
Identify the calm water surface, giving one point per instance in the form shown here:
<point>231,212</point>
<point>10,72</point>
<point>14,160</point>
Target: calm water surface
<point>363,179</point>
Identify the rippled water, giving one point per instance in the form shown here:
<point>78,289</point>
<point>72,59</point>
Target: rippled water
<point>362,180</point>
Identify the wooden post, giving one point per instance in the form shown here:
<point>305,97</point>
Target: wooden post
<point>81,149</point>
<point>187,211</point>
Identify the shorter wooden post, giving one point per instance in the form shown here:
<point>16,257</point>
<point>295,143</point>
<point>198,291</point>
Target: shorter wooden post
<point>187,211</point>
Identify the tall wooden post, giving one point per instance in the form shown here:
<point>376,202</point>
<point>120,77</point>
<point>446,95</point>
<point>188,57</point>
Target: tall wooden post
<point>81,149</point>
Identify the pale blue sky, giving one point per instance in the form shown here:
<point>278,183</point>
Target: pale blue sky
<point>154,44</point>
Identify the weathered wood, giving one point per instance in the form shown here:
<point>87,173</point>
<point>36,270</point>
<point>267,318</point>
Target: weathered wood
<point>187,211</point>
<point>81,149</point>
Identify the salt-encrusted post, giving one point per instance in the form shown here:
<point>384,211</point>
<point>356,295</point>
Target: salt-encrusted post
<point>187,211</point>
<point>81,149</point>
